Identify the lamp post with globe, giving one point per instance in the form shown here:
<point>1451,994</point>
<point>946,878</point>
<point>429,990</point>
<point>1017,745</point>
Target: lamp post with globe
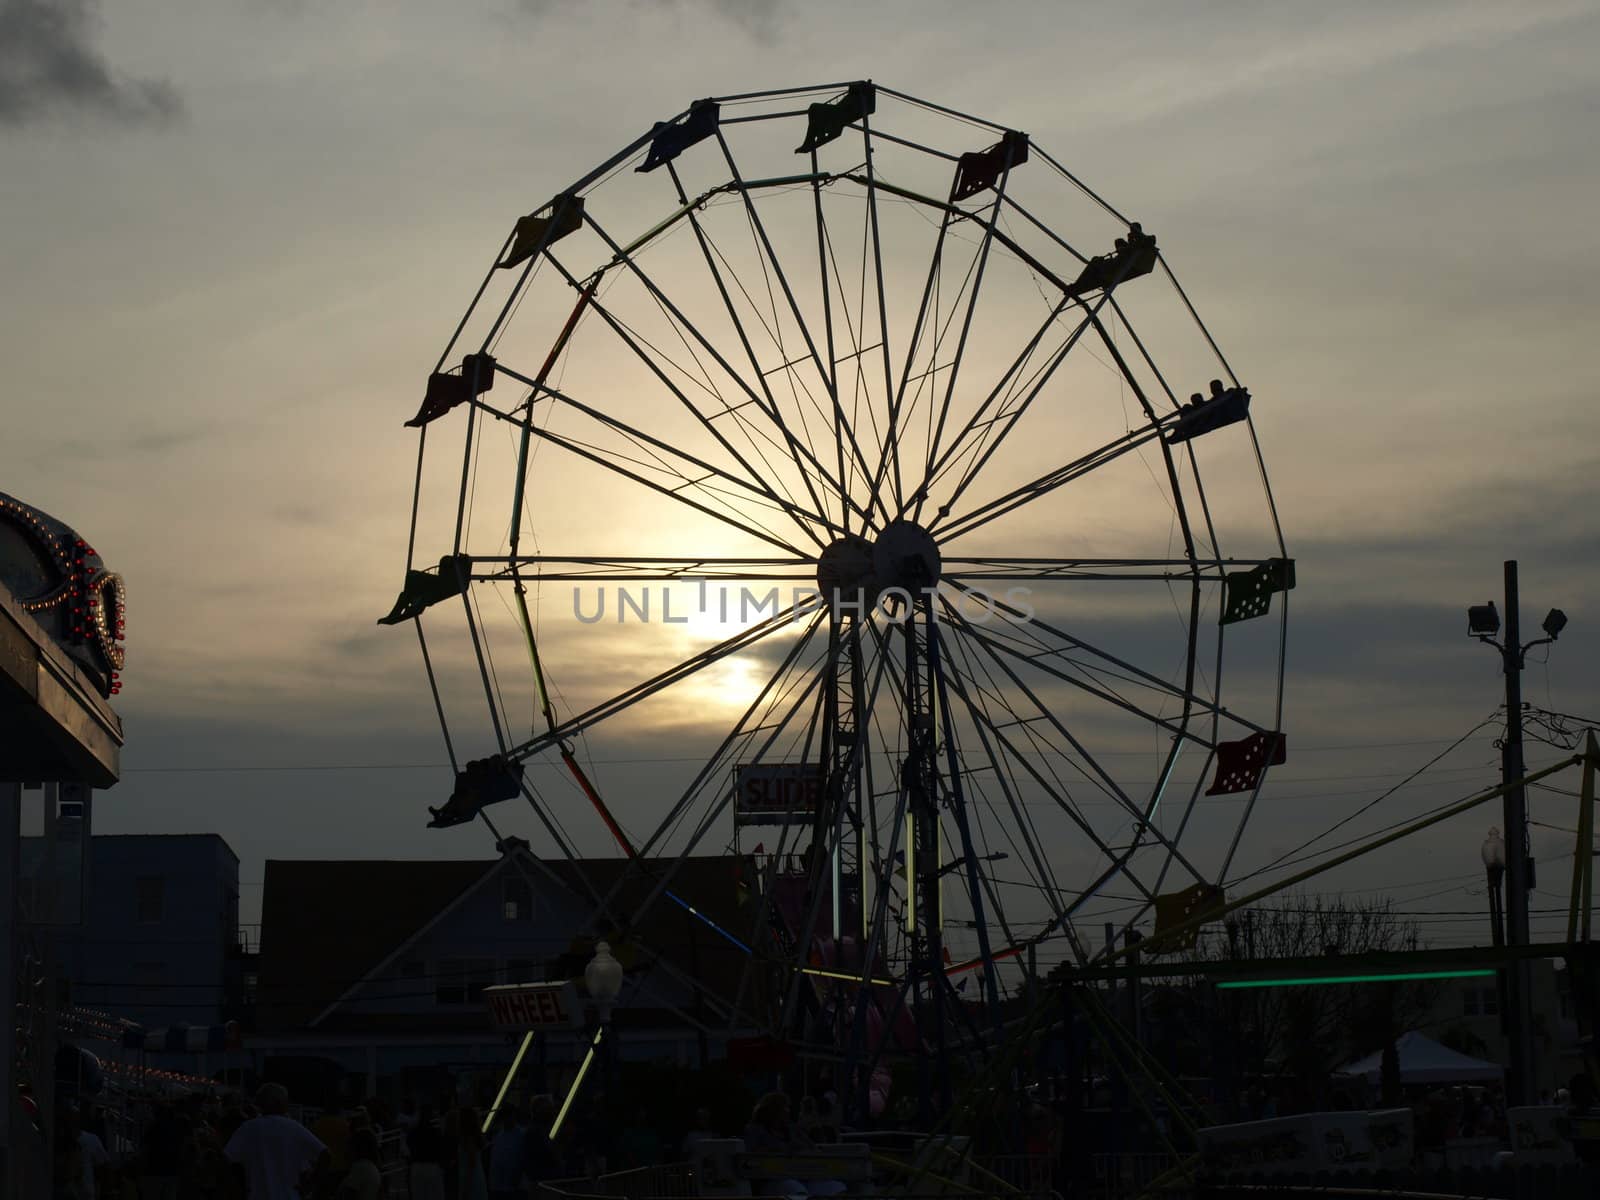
<point>1493,851</point>
<point>603,979</point>
<point>1494,861</point>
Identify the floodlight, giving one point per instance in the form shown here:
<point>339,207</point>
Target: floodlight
<point>1555,621</point>
<point>1483,620</point>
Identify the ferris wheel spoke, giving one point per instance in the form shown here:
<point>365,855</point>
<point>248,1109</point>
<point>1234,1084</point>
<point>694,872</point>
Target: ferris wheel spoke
<point>687,327</point>
<point>938,465</point>
<point>882,918</point>
<point>1045,784</point>
<point>842,432</point>
<point>938,652</point>
<point>1042,646</point>
<point>1044,880</point>
<point>630,568</point>
<point>975,698</point>
<point>755,492</point>
<point>690,666</point>
<point>971,697</point>
<point>995,429</point>
<point>770,408</point>
<point>706,420</point>
<point>1105,570</point>
<point>641,864</point>
<point>742,732</point>
<point>826,373</point>
<point>877,478</point>
<point>1043,485</point>
<point>966,328</point>
<point>1143,817</point>
<point>602,460</point>
<point>831,841</point>
<point>953,212</point>
<point>889,452</point>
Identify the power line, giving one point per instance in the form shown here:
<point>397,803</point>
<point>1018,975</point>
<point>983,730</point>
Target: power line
<point>1288,854</point>
<point>250,768</point>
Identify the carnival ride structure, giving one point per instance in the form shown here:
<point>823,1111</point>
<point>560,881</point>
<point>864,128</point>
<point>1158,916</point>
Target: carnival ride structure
<point>955,523</point>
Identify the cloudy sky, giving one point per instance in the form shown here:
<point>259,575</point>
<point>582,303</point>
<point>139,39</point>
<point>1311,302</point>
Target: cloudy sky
<point>237,235</point>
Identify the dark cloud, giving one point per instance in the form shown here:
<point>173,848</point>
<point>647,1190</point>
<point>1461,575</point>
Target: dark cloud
<point>129,440</point>
<point>760,19</point>
<point>50,66</point>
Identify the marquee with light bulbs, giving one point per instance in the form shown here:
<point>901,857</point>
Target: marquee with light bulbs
<point>57,577</point>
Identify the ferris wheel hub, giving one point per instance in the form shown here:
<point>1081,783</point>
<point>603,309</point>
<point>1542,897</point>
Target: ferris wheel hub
<point>844,569</point>
<point>904,556</point>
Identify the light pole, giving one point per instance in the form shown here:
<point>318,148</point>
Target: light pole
<point>603,979</point>
<point>1493,852</point>
<point>1494,861</point>
<point>1483,622</point>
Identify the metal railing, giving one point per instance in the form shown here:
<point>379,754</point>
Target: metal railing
<point>393,1164</point>
<point>1115,1176</point>
<point>1013,1176</point>
<point>666,1182</point>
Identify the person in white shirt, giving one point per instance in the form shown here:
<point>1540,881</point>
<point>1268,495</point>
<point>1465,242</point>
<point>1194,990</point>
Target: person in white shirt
<point>274,1150</point>
<point>91,1156</point>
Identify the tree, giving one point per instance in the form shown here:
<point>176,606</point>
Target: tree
<point>1308,1032</point>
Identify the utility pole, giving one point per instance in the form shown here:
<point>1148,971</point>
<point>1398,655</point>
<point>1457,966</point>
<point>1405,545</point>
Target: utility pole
<point>1520,976</point>
<point>1483,623</point>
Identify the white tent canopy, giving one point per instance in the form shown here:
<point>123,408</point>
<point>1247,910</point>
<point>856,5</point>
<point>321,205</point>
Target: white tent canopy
<point>1423,1060</point>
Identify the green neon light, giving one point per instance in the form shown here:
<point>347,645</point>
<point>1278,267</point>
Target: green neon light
<point>1317,980</point>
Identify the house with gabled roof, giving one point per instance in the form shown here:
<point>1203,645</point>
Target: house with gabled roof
<point>373,971</point>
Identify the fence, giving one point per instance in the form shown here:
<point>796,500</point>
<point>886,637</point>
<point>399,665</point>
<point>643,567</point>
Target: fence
<point>640,1183</point>
<point>1574,1181</point>
<point>392,1162</point>
<point>1115,1176</point>
<point>1016,1176</point>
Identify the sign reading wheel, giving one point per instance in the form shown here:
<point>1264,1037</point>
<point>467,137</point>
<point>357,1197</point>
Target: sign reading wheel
<point>776,793</point>
<point>535,1005</point>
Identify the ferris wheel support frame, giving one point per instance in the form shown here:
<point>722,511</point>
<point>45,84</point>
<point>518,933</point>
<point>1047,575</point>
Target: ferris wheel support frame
<point>925,675</point>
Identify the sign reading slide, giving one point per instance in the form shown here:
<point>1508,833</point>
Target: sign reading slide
<point>534,1005</point>
<point>776,793</point>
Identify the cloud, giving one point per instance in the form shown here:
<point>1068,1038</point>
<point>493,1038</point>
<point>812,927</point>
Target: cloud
<point>760,19</point>
<point>51,67</point>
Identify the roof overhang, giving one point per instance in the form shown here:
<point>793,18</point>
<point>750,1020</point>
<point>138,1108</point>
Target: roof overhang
<point>55,727</point>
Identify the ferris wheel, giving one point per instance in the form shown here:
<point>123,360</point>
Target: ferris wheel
<point>832,478</point>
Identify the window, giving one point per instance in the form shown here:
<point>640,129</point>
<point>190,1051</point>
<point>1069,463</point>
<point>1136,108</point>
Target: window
<point>1480,1002</point>
<point>149,899</point>
<point>462,980</point>
<point>517,898</point>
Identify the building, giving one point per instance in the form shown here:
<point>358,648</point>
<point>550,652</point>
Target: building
<point>1467,1016</point>
<point>372,972</point>
<point>160,941</point>
<point>61,633</point>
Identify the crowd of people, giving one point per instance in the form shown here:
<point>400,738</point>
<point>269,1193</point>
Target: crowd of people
<point>229,1147</point>
<point>214,1147</point>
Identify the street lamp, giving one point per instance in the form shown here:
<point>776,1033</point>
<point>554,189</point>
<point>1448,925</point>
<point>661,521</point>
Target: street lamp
<point>603,979</point>
<point>1494,861</point>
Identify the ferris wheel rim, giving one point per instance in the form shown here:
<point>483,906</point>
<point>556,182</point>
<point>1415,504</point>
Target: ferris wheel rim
<point>1202,570</point>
